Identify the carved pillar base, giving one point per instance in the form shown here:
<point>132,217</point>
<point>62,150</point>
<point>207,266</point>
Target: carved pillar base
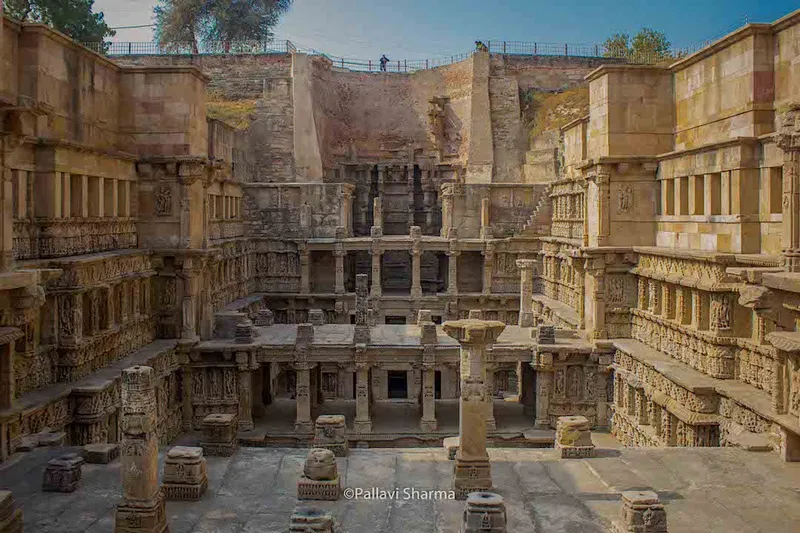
<point>428,425</point>
<point>142,517</point>
<point>471,475</point>
<point>362,426</point>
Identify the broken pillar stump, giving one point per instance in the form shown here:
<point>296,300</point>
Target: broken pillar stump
<point>320,479</point>
<point>62,474</point>
<point>642,512</point>
<point>330,432</point>
<point>311,521</point>
<point>10,516</point>
<point>574,437</point>
<point>484,512</point>
<point>185,476</point>
<point>219,435</point>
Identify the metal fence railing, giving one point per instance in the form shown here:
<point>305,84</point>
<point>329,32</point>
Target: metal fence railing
<point>188,48</point>
<point>285,46</point>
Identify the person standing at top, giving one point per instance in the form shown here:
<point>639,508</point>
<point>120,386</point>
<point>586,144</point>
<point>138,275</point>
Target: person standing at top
<point>384,61</point>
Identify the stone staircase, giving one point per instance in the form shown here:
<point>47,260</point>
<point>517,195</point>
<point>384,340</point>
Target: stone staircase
<point>538,223</point>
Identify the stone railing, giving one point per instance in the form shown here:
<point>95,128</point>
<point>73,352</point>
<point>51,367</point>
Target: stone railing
<point>225,229</point>
<point>43,238</point>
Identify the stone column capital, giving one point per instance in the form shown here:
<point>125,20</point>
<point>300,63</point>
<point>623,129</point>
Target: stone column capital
<point>473,331</point>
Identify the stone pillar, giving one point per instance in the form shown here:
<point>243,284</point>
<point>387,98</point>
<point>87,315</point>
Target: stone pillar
<point>789,142</point>
<point>452,272</point>
<point>110,304</point>
<point>305,270</point>
<point>363,422</point>
<point>375,290</point>
<point>472,470</point>
<point>7,209</point>
<point>245,391</point>
<point>303,422</point>
<point>142,506</point>
<point>526,268</point>
<point>488,385</point>
<point>305,337</point>
<point>377,217</point>
<point>428,340</point>
<point>595,286</point>
<point>543,364</point>
<point>361,333</point>
<point>416,285</point>
<point>488,268</point>
<point>339,255</point>
<point>486,231</point>
<point>428,422</point>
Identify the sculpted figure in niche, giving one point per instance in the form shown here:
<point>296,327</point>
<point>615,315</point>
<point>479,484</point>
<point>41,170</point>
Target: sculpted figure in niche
<point>625,199</point>
<point>163,200</point>
<point>574,382</point>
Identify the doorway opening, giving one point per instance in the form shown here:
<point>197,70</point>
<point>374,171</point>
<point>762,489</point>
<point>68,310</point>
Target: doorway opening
<point>398,384</point>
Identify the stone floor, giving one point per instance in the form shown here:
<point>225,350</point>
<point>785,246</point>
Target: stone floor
<point>705,491</point>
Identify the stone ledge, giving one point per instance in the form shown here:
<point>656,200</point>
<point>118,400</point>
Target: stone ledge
<point>748,396</point>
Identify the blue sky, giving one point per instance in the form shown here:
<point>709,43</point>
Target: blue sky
<point>417,29</point>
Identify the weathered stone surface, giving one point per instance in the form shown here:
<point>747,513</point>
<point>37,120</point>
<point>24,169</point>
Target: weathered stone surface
<point>320,465</point>
<point>10,516</point>
<point>320,480</point>
<point>63,474</point>
<point>185,476</point>
<point>642,512</point>
<point>574,437</point>
<point>484,512</point>
<point>307,520</point>
<point>330,432</point>
<point>472,471</point>
<point>142,507</point>
<point>316,317</point>
<point>100,453</point>
<point>219,434</point>
<point>450,445</point>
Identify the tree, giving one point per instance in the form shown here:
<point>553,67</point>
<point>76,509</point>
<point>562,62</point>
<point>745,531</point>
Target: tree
<point>617,45</point>
<point>649,43</point>
<point>179,22</point>
<point>647,46</point>
<point>73,18</point>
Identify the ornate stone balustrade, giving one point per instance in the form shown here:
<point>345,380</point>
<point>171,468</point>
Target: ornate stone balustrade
<point>44,238</point>
<point>225,229</point>
<point>711,354</point>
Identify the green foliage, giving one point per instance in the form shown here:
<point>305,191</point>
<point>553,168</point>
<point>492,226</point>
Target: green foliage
<point>73,18</point>
<point>647,46</point>
<point>203,21</point>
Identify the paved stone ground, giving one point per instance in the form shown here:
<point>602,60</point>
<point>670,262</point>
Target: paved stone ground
<point>705,491</point>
